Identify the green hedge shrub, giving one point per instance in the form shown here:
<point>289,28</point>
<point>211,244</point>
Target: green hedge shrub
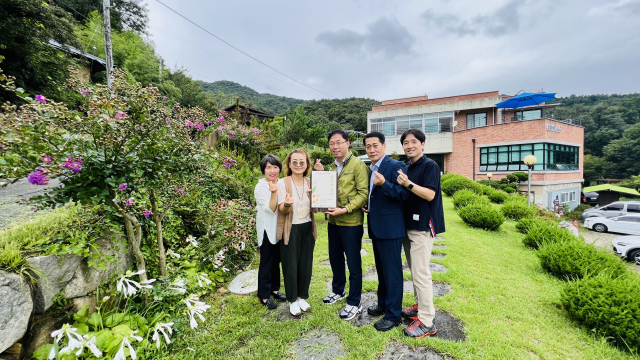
<point>512,178</point>
<point>509,190</point>
<point>504,180</point>
<point>525,224</point>
<point>448,176</point>
<point>486,190</point>
<point>516,211</point>
<point>451,185</point>
<point>576,214</point>
<point>522,176</point>
<point>482,216</point>
<point>577,259</point>
<point>546,233</point>
<point>498,196</point>
<point>608,305</point>
<point>466,197</point>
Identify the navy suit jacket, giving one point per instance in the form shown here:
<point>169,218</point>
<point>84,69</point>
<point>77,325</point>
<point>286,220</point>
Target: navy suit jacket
<point>385,203</point>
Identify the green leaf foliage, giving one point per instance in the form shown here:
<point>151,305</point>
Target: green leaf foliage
<point>448,176</point>
<point>498,196</point>
<point>522,176</point>
<point>577,259</point>
<point>516,211</point>
<point>451,185</point>
<point>465,197</point>
<point>509,190</point>
<point>482,216</point>
<point>525,224</point>
<point>607,305</point>
<point>546,233</point>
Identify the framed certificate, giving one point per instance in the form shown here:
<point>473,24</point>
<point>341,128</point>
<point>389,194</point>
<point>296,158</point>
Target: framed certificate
<point>324,190</point>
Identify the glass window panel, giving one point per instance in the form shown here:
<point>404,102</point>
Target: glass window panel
<point>483,168</point>
<point>415,124</point>
<point>526,147</point>
<point>503,148</point>
<point>503,157</point>
<point>469,121</point>
<point>502,167</point>
<point>524,167</point>
<point>515,147</point>
<point>514,167</point>
<point>402,118</point>
<point>491,168</point>
<point>430,116</point>
<point>538,146</point>
<point>538,167</point>
<point>416,117</point>
<point>483,150</point>
<point>401,127</point>
<point>524,154</point>
<point>446,113</point>
<point>493,149</point>
<point>532,114</point>
<point>445,124</point>
<point>515,156</point>
<point>492,158</point>
<point>483,158</point>
<point>431,125</point>
<point>539,154</point>
<point>481,119</point>
<point>389,129</point>
<point>376,121</point>
<point>388,119</point>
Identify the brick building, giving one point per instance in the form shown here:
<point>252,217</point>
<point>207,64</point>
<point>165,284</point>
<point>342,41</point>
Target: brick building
<point>469,135</point>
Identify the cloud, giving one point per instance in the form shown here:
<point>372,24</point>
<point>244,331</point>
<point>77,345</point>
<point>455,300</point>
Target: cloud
<point>384,36</point>
<point>503,21</point>
<point>629,7</point>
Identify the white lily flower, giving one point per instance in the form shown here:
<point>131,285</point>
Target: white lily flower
<point>242,245</point>
<point>203,277</point>
<point>175,255</point>
<point>90,343</point>
<point>74,340</point>
<point>120,355</point>
<point>160,328</point>
<point>225,269</point>
<point>192,240</point>
<point>195,307</point>
<point>130,287</point>
<point>179,285</point>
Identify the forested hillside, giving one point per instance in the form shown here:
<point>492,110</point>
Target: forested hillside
<point>226,93</point>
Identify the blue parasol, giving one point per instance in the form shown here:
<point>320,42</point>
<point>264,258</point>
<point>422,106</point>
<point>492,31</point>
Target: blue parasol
<point>526,99</point>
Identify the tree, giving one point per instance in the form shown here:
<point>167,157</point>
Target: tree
<point>623,155</point>
<point>26,26</point>
<point>594,168</point>
<point>125,14</point>
<point>296,128</point>
<point>125,143</point>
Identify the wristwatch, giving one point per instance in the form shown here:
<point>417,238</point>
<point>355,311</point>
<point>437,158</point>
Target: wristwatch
<point>410,186</point>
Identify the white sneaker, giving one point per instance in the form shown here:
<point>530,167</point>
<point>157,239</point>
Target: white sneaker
<point>294,308</point>
<point>350,312</point>
<point>304,305</point>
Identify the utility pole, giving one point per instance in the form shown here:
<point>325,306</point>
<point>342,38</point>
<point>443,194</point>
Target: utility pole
<point>106,27</point>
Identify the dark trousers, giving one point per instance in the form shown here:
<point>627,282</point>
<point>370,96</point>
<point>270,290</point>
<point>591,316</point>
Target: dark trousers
<point>269,270</point>
<point>297,261</point>
<point>346,240</point>
<point>389,268</point>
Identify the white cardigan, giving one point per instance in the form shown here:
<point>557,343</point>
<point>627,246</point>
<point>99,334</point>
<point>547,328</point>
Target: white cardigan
<point>266,220</point>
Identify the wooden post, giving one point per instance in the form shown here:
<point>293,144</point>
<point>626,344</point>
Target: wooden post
<point>106,27</point>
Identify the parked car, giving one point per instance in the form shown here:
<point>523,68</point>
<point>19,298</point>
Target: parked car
<point>589,198</point>
<point>614,209</point>
<point>626,224</point>
<point>628,247</point>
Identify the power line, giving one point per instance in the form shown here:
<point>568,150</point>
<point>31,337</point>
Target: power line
<point>240,51</point>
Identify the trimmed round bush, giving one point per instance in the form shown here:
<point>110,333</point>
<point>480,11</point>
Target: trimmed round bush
<point>546,233</point>
<point>512,178</point>
<point>522,176</point>
<point>509,190</point>
<point>498,196</point>
<point>609,305</point>
<point>486,190</point>
<point>516,211</point>
<point>465,197</point>
<point>525,224</point>
<point>451,185</point>
<point>448,176</point>
<point>482,216</point>
<point>504,181</point>
<point>576,259</point>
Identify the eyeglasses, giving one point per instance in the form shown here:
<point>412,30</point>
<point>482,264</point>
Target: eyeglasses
<point>332,144</point>
<point>296,163</point>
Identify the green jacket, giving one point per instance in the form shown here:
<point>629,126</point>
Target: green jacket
<point>353,192</point>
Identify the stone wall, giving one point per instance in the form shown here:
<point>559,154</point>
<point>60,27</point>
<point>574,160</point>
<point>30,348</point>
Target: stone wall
<point>24,315</point>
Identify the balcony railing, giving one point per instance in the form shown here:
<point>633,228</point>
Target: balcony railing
<point>519,117</point>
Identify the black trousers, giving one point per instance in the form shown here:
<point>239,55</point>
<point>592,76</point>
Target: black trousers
<point>297,261</point>
<point>389,267</point>
<point>269,270</point>
<point>346,240</point>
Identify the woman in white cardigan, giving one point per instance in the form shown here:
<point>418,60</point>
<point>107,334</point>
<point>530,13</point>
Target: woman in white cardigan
<point>266,194</point>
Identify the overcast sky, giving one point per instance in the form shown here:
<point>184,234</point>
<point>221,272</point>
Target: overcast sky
<point>392,49</point>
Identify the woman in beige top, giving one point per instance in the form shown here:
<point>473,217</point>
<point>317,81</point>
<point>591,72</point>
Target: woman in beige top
<point>296,229</point>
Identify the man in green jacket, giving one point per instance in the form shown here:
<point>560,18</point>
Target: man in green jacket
<point>345,223</point>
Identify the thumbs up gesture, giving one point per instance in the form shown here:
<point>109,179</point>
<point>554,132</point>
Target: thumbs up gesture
<point>403,179</point>
<point>288,200</point>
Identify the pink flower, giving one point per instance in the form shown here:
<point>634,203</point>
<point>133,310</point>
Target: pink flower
<point>147,213</point>
<point>122,187</point>
<point>233,133</point>
<point>120,116</point>
<point>41,98</point>
<point>221,119</point>
<point>182,191</point>
<point>74,166</point>
<point>222,112</point>
<point>38,177</point>
<point>46,159</point>
<point>168,121</point>
<point>199,126</point>
<point>207,122</point>
<point>188,123</point>
<point>129,202</point>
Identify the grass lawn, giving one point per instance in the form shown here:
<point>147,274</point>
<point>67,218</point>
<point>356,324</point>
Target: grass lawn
<point>509,305</point>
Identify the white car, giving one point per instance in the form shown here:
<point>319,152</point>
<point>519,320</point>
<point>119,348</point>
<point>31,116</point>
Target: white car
<point>625,224</point>
<point>628,247</point>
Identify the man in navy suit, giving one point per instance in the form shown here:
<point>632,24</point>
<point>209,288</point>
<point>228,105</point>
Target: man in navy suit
<point>386,229</point>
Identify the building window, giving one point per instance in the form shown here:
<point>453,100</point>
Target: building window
<point>566,197</point>
<point>511,158</point>
<point>528,115</point>
<point>476,120</point>
<point>429,123</point>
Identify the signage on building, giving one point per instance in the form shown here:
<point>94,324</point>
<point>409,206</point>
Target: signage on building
<point>551,127</point>
<point>538,199</point>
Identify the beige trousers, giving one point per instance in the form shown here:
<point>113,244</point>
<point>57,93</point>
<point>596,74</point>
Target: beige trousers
<point>417,248</point>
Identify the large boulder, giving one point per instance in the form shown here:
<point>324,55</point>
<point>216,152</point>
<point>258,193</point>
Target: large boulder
<point>55,272</point>
<point>15,308</point>
<point>87,278</point>
<point>41,328</point>
<point>572,229</point>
